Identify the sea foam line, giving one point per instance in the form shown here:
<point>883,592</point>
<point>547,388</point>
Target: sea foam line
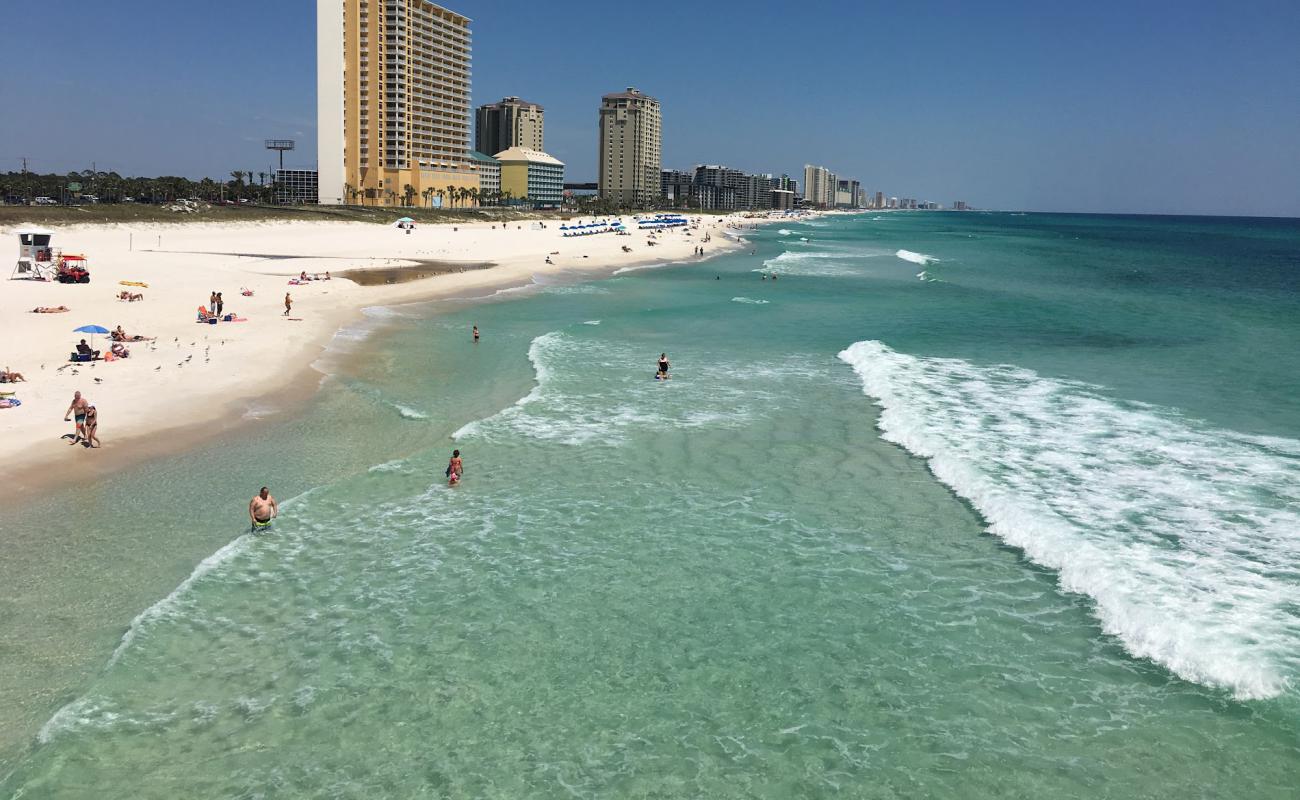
<point>916,258</point>
<point>1185,537</point>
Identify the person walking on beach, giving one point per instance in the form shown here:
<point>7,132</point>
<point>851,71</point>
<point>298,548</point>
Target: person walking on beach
<point>212,301</point>
<point>78,406</point>
<point>475,334</point>
<point>261,510</point>
<point>92,427</point>
<point>288,303</point>
<point>455,468</point>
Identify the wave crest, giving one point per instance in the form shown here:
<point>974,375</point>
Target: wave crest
<point>1184,536</point>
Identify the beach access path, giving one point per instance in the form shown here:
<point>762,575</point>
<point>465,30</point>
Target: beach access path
<point>194,380</point>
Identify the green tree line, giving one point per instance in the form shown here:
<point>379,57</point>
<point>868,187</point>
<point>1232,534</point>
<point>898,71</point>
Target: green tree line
<point>110,187</point>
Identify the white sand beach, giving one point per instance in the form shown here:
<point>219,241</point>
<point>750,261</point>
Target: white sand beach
<point>194,378</point>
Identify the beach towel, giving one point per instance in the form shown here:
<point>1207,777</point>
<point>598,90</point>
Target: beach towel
<point>10,402</point>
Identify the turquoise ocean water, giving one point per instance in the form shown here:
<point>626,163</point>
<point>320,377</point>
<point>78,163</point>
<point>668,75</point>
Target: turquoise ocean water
<point>963,505</point>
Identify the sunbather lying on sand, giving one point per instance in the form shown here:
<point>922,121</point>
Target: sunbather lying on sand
<point>119,335</point>
<point>50,309</point>
<point>129,297</point>
<point>9,376</point>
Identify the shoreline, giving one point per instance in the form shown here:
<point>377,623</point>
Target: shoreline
<point>170,411</point>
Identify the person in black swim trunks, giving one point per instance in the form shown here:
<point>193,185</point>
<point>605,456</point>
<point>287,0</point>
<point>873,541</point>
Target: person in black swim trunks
<point>663,367</point>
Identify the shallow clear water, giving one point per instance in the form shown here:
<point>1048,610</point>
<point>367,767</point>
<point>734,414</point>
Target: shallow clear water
<point>1024,526</point>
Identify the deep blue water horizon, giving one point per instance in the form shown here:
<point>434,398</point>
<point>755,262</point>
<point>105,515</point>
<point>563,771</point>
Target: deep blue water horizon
<point>960,505</point>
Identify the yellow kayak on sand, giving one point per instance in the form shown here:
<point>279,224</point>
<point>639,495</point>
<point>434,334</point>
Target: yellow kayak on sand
<point>141,284</point>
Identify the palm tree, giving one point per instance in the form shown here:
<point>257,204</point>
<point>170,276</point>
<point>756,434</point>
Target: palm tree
<point>442,193</point>
<point>474,195</point>
<point>350,192</point>
<point>451,194</point>
<point>408,194</point>
<point>427,194</point>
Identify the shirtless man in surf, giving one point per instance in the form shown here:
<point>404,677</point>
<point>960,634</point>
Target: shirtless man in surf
<point>79,405</point>
<point>261,510</point>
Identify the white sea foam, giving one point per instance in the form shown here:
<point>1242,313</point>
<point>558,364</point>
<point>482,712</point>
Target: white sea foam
<point>1186,537</point>
<point>916,258</point>
<point>592,322</point>
<point>817,264</point>
<point>563,408</point>
<point>638,268</point>
<point>407,412</point>
<point>784,231</point>
<point>750,301</point>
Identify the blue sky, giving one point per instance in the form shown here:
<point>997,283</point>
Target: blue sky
<point>1158,107</point>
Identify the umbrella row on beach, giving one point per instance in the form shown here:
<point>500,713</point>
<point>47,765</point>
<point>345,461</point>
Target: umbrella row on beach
<point>590,228</point>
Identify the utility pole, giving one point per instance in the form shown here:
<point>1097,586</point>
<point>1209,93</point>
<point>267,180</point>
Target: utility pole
<point>24,164</point>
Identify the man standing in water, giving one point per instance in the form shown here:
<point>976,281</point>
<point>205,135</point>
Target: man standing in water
<point>476,334</point>
<point>663,367</point>
<point>261,510</point>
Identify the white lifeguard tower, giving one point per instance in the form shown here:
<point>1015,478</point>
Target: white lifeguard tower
<point>37,260</point>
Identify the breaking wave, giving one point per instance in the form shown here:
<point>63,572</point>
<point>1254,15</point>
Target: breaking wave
<point>1186,538</point>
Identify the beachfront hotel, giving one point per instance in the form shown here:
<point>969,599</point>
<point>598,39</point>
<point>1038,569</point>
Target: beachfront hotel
<point>532,176</point>
<point>630,145</point>
<point>509,123</point>
<point>393,100</point>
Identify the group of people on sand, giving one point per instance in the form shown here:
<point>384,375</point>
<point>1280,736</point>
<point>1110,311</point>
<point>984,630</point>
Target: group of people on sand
<point>87,419</point>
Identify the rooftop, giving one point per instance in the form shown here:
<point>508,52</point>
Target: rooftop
<point>524,154</point>
<point>632,93</point>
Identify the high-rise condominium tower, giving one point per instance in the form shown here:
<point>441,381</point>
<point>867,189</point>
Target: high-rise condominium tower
<point>819,186</point>
<point>630,148</point>
<point>509,123</point>
<point>392,94</point>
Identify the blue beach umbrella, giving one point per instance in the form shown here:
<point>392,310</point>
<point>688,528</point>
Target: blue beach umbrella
<point>92,330</point>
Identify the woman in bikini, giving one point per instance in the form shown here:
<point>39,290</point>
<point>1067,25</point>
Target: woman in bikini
<point>455,468</point>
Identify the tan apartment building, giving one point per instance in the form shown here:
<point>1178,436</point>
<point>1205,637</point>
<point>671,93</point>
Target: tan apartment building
<point>393,100</point>
<point>509,123</point>
<point>630,148</point>
<point>819,186</point>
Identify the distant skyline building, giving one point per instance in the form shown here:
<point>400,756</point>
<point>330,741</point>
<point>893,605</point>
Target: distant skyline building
<point>706,187</point>
<point>511,122</point>
<point>393,100</point>
<point>880,199</point>
<point>630,148</point>
<point>819,186</point>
